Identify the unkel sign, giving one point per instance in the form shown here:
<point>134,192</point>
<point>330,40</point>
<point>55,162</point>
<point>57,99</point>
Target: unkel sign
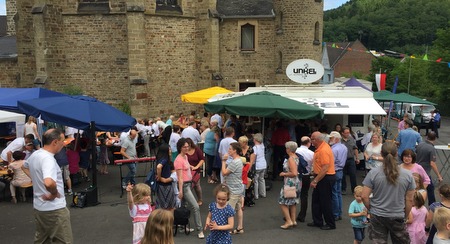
<point>305,71</point>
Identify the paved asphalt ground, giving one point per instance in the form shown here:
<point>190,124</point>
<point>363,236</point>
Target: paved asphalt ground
<point>109,221</point>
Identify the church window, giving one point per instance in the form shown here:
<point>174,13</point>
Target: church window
<point>248,37</point>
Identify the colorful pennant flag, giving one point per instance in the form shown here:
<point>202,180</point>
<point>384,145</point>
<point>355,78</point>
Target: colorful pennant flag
<point>425,57</point>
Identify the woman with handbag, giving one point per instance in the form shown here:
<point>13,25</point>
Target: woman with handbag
<point>196,160</point>
<point>183,169</point>
<point>288,194</point>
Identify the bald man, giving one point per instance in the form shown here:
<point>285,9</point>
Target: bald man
<point>324,178</point>
<point>128,151</point>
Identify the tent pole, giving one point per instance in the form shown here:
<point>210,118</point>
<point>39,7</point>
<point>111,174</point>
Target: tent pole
<point>263,125</point>
<point>94,187</point>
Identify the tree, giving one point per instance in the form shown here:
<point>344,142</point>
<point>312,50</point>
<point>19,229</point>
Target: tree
<point>406,26</point>
<point>439,72</point>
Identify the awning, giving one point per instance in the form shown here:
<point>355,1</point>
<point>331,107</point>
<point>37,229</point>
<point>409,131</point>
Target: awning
<point>354,106</point>
<point>265,104</point>
<point>203,95</point>
<point>6,116</point>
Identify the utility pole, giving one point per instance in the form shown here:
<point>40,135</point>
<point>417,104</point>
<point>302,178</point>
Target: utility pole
<point>409,76</point>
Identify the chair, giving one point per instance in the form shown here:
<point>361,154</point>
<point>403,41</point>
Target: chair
<point>23,188</point>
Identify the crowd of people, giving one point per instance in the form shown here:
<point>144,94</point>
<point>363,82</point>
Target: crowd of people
<point>303,155</point>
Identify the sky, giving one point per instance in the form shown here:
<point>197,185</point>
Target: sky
<point>328,4</point>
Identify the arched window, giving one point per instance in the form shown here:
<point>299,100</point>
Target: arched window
<point>316,33</point>
<point>248,37</point>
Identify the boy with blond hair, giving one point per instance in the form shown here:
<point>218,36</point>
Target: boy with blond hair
<point>358,214</point>
<point>441,220</point>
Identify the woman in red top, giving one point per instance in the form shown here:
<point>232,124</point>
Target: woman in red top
<point>196,160</point>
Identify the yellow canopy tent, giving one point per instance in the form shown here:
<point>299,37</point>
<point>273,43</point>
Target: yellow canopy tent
<point>202,96</point>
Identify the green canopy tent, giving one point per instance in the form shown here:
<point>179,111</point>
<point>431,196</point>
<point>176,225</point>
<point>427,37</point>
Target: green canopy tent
<point>265,104</point>
<point>402,98</point>
<point>380,94</point>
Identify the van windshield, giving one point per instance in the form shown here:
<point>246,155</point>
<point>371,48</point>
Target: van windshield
<point>427,109</point>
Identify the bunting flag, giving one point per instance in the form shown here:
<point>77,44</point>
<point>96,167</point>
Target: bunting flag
<point>380,81</point>
<point>378,54</point>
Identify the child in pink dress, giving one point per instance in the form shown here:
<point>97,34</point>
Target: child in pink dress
<point>416,220</point>
<point>139,205</point>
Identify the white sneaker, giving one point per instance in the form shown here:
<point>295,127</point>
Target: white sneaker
<point>201,235</point>
<point>182,229</point>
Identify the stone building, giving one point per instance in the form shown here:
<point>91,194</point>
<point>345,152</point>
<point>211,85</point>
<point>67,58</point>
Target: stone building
<point>146,53</point>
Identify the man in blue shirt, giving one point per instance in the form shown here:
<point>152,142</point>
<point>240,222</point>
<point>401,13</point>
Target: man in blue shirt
<point>340,157</point>
<point>435,118</point>
<point>407,138</point>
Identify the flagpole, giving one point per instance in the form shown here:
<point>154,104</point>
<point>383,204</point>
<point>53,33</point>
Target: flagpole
<point>409,75</point>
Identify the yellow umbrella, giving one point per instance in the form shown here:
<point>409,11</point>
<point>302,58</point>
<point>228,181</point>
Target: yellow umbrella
<point>202,96</point>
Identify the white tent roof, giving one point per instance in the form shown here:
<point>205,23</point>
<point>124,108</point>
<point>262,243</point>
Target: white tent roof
<point>6,116</point>
<point>332,99</point>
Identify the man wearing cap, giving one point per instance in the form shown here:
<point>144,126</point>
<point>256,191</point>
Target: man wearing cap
<point>340,157</point>
<point>17,145</point>
<point>324,177</point>
<point>408,138</point>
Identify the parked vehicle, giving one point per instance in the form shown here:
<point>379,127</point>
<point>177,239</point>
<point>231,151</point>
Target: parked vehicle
<point>419,113</point>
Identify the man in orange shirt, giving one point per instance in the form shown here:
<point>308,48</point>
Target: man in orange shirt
<point>324,178</point>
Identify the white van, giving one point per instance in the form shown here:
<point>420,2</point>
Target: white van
<point>419,113</point>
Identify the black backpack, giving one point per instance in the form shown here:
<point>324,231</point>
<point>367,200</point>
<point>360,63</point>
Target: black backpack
<point>301,168</point>
<point>151,180</point>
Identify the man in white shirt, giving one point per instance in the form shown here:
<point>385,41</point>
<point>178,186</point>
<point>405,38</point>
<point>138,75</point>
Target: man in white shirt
<point>368,136</point>
<point>306,180</point>
<point>52,218</point>
<point>224,145</point>
<point>17,145</point>
<point>219,120</point>
<point>192,132</point>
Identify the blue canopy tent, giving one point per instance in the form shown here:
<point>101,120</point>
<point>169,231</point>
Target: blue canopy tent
<point>10,96</point>
<point>81,112</point>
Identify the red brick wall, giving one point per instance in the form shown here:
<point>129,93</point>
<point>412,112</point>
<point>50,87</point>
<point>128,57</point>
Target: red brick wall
<point>354,61</point>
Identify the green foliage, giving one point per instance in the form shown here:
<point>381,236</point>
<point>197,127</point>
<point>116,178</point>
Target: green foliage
<point>439,73</point>
<point>356,74</point>
<point>406,26</point>
<point>72,90</point>
<point>124,107</point>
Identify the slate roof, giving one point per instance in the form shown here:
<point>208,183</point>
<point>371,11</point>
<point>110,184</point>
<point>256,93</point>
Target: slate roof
<point>8,47</point>
<point>245,8</point>
<point>334,54</point>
